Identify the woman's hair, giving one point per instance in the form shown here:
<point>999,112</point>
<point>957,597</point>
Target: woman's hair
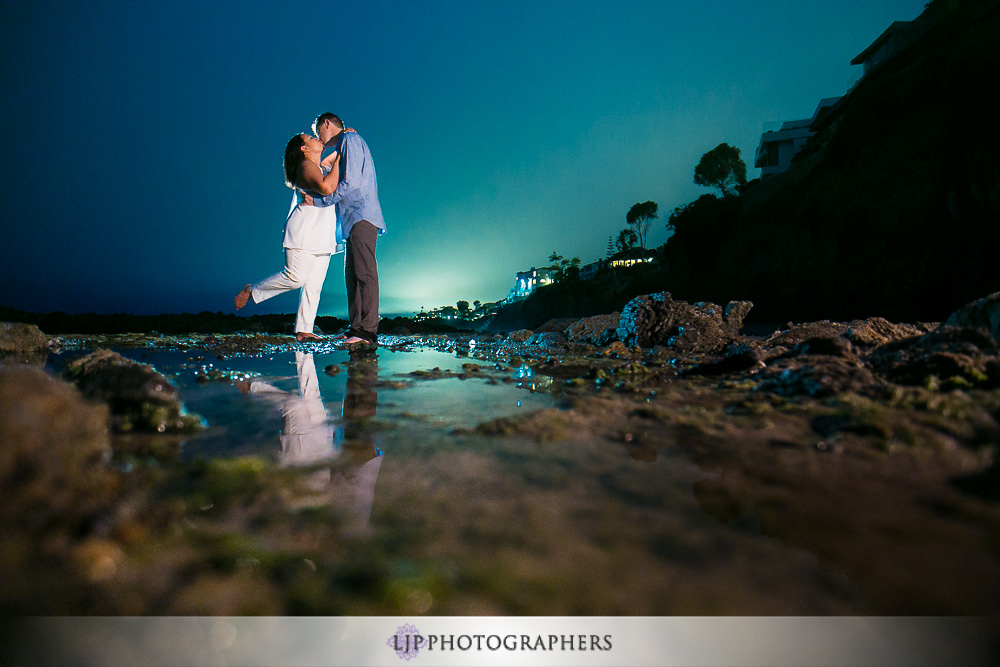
<point>293,159</point>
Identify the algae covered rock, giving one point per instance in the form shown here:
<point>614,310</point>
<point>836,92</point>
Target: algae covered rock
<point>963,356</point>
<point>658,319</point>
<point>53,453</point>
<point>140,398</point>
<point>555,325</point>
<point>520,336</point>
<point>866,334</point>
<point>798,333</point>
<point>22,343</point>
<point>982,313</point>
<point>598,330</point>
<point>817,376</point>
<point>873,332</point>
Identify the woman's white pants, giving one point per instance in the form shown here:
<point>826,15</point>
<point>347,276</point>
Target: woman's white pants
<point>304,270</point>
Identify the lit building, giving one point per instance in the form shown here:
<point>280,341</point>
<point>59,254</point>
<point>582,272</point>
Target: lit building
<point>626,262</point>
<point>778,146</point>
<point>527,281</point>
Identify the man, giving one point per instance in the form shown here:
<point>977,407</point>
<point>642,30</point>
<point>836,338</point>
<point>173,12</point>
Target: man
<point>360,214</point>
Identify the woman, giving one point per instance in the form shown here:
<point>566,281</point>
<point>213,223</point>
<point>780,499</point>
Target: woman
<point>311,234</point>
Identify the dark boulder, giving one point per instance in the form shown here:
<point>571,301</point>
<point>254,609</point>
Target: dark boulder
<point>958,354</point>
<point>798,333</point>
<point>598,330</point>
<point>658,319</point>
<point>873,332</point>
<point>22,343</point>
<point>742,359</point>
<point>140,398</point>
<point>834,346</point>
<point>55,449</point>
<point>817,376</point>
<point>520,336</point>
<point>555,325</point>
<point>982,313</point>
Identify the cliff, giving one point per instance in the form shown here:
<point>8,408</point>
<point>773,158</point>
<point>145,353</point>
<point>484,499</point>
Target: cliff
<point>894,211</point>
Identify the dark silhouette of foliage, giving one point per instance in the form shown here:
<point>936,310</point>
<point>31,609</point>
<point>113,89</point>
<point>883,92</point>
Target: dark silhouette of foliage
<point>627,239</point>
<point>564,269</point>
<point>639,217</point>
<point>463,307</point>
<point>722,168</point>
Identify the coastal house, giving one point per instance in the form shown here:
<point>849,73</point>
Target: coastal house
<point>630,258</point>
<point>888,44</point>
<point>780,142</point>
<point>528,281</point>
<point>588,271</point>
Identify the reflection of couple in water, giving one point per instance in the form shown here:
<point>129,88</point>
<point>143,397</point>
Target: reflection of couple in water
<point>309,439</point>
<point>335,208</point>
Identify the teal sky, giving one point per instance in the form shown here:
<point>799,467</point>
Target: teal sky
<point>142,157</point>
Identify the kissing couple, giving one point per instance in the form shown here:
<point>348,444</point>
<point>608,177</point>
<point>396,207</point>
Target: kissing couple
<point>335,209</point>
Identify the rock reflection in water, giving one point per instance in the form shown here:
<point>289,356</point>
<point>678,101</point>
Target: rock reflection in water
<point>308,437</point>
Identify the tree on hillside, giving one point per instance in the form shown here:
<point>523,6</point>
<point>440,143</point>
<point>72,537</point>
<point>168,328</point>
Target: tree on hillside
<point>570,269</point>
<point>627,239</point>
<point>611,246</point>
<point>639,217</point>
<point>564,269</point>
<point>722,168</point>
<point>463,308</point>
<point>477,304</point>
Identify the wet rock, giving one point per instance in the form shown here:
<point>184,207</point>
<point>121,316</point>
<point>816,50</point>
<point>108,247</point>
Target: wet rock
<point>617,349</point>
<point>873,332</point>
<point>140,398</point>
<point>55,447</point>
<point>985,484</point>
<point>22,343</point>
<point>742,359</point>
<point>548,341</point>
<point>433,374</point>
<point>332,370</point>
<point>243,344</point>
<point>658,319</point>
<point>819,365</point>
<point>955,354</point>
<point>836,346</point>
<point>556,325</point>
<point>816,376</point>
<point>599,330</point>
<point>520,336</point>
<point>982,313</point>
<point>799,333</point>
<point>863,334</point>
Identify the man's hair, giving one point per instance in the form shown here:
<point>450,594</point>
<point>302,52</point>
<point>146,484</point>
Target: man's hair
<point>332,117</point>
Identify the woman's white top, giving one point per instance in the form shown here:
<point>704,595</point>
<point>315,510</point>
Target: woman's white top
<point>313,228</point>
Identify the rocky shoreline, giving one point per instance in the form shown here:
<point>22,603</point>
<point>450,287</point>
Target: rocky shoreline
<point>891,429</point>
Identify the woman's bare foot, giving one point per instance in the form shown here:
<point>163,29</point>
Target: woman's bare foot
<point>242,298</point>
<point>304,337</point>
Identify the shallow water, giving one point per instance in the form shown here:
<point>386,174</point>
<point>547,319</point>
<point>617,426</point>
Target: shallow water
<point>423,513</point>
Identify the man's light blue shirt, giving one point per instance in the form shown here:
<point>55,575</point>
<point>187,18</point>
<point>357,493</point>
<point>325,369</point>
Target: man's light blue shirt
<point>356,197</point>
